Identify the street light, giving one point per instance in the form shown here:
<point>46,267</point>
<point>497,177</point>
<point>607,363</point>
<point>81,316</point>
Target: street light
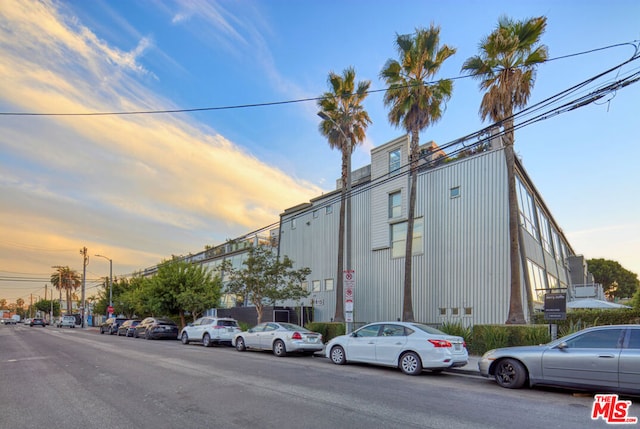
<point>110,279</point>
<point>326,117</point>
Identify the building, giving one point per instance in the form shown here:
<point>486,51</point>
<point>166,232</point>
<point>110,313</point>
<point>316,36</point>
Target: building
<point>461,269</point>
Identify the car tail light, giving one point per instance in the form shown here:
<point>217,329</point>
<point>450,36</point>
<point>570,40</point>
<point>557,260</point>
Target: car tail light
<point>296,336</point>
<point>440,343</point>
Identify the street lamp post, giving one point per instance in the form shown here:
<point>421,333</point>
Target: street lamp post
<point>348,267</point>
<point>110,278</point>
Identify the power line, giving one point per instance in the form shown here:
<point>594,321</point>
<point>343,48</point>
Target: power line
<point>274,103</point>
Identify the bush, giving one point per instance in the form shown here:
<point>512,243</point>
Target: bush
<point>487,337</point>
<point>328,330</point>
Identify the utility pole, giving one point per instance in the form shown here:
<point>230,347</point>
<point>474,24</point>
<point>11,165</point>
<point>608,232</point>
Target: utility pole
<point>85,262</point>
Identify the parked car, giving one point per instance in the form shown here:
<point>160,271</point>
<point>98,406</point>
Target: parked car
<point>7,321</point>
<point>279,337</point>
<point>602,358</point>
<point>156,328</point>
<point>111,325</point>
<point>128,327</point>
<point>37,322</point>
<point>69,321</point>
<point>409,346</point>
<point>210,330</point>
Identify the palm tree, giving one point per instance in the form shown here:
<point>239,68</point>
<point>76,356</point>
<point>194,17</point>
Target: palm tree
<point>415,104</point>
<point>506,68</point>
<point>68,280</point>
<point>344,124</point>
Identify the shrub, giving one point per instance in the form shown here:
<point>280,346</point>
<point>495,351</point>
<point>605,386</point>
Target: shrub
<point>328,330</point>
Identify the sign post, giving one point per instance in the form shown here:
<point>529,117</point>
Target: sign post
<point>110,310</point>
<point>555,308</point>
<point>349,278</point>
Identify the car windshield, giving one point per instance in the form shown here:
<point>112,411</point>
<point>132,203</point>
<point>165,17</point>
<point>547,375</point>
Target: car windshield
<point>292,327</point>
<point>428,329</point>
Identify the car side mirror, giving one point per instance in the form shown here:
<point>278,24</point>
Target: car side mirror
<point>250,331</point>
<point>354,334</point>
<point>562,346</point>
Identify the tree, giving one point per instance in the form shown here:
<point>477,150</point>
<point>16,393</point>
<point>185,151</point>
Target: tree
<point>344,125</point>
<point>615,280</point>
<point>3,303</point>
<point>180,286</point>
<point>45,305</point>
<point>266,279</point>
<point>20,302</point>
<point>415,105</point>
<point>506,68</point>
<point>68,280</point>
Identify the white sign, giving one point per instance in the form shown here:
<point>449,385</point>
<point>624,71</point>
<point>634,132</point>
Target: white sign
<point>348,306</point>
<point>348,317</point>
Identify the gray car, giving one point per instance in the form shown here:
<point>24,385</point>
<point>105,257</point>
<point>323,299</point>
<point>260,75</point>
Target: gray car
<point>279,337</point>
<point>602,358</point>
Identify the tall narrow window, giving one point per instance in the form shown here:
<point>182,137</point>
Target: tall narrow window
<point>525,204</point>
<point>328,209</point>
<point>328,284</point>
<point>394,160</point>
<point>545,235</point>
<point>399,235</point>
<point>315,285</point>
<point>395,205</point>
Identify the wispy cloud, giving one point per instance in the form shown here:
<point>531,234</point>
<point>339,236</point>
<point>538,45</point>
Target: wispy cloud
<point>66,179</point>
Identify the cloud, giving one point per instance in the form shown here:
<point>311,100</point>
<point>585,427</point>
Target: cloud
<point>135,187</point>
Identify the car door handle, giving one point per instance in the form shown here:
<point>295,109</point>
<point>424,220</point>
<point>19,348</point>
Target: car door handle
<point>606,356</point>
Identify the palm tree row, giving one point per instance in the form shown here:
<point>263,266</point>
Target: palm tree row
<point>68,280</point>
<point>505,65</point>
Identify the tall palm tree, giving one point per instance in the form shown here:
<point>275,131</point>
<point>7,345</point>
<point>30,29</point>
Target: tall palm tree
<point>68,280</point>
<point>506,66</point>
<point>344,125</point>
<point>415,104</point>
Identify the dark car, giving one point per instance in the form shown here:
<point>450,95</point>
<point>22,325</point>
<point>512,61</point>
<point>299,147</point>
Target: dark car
<point>39,322</point>
<point>111,325</point>
<point>156,328</point>
<point>128,327</point>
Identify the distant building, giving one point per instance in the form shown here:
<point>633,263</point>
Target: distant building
<point>461,270</point>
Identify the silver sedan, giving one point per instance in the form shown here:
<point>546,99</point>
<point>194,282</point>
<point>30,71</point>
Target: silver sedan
<point>281,338</point>
<point>598,358</point>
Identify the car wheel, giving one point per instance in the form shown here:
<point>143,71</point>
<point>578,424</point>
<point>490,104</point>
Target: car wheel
<point>279,348</point>
<point>240,344</point>
<point>510,373</point>
<point>338,356</point>
<point>410,363</point>
<point>206,340</point>
<point>101,331</point>
<point>184,338</point>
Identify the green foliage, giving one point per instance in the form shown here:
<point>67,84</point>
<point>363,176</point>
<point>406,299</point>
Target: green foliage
<point>593,316</point>
<point>615,280</point>
<point>487,337</point>
<point>266,279</point>
<point>44,305</point>
<point>328,330</point>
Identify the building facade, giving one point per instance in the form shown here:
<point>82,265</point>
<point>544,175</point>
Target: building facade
<point>461,270</point>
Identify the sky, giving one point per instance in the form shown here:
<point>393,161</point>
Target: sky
<point>139,188</point>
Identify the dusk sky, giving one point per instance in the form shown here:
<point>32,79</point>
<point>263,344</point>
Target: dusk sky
<point>140,188</point>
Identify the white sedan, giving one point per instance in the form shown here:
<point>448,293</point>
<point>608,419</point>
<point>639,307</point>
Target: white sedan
<point>409,346</point>
<point>279,337</point>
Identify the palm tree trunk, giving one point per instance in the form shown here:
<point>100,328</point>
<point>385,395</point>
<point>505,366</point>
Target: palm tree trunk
<point>516,313</point>
<point>407,302</point>
<point>339,315</point>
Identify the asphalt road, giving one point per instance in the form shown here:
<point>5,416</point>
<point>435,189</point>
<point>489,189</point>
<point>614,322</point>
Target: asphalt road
<point>77,378</point>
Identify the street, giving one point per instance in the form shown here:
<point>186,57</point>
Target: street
<point>56,377</point>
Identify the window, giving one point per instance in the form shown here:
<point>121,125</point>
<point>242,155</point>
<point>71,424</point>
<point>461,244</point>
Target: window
<point>600,339</point>
<point>368,331</point>
<point>443,311</point>
<point>394,160</point>
<point>305,286</point>
<point>634,339</point>
<point>455,311</point>
<point>545,236</point>
<point>556,245</point>
<point>315,285</point>
<point>328,209</point>
<point>468,311</point>
<point>393,331</point>
<point>525,204</point>
<point>553,282</point>
<point>294,221</point>
<point>315,213</point>
<point>454,192</point>
<point>395,205</point>
<point>536,279</point>
<point>328,284</point>
<point>399,234</point>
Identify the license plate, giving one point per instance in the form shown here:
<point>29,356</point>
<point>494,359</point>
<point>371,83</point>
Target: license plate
<point>457,347</point>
